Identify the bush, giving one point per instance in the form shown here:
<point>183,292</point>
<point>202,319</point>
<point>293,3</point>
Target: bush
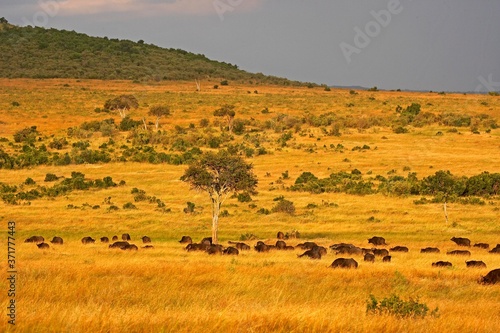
<point>190,208</point>
<point>244,197</point>
<point>27,135</point>
<point>395,306</point>
<point>129,205</point>
<point>224,83</point>
<point>400,130</point>
<point>128,124</point>
<point>50,177</point>
<point>284,206</point>
<point>29,181</point>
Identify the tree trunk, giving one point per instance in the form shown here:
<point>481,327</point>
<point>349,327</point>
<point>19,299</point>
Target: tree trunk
<point>198,85</point>
<point>123,112</point>
<point>445,212</point>
<point>144,122</point>
<point>157,123</point>
<point>215,219</point>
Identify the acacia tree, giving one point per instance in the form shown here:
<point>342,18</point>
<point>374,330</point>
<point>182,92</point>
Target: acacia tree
<point>226,111</point>
<point>122,104</point>
<point>220,174</point>
<point>159,111</point>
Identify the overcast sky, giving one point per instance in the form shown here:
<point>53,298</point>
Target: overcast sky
<point>439,45</point>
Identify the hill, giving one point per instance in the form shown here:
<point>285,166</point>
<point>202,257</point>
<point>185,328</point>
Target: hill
<point>34,52</point>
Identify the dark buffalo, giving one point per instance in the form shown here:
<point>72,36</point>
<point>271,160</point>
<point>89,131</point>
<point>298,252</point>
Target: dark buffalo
<point>57,240</point>
<point>148,247</point>
<point>344,263</point>
<point>114,239</point>
<point>430,250</point>
<point>442,264</point>
<point>280,245</point>
<point>118,245</point>
<point>206,240</point>
<point>399,249</point>
<point>35,239</point>
<point>348,249</point>
<point>126,237</point>
<point>280,235</point>
<point>475,264</point>
<point>459,253</point>
<point>88,240</point>
<point>289,248</point>
<point>215,249</point>
<point>104,240</point>
<point>369,257</point>
<point>321,250</point>
<point>496,249</point>
<point>43,246</point>
<point>386,259</point>
<point>186,240</point>
<point>461,241</point>
<point>146,239</point>
<point>130,247</point>
<point>377,241</point>
<point>261,247</point>
<point>313,254</point>
<point>482,245</point>
<point>197,247</point>
<point>380,252</point>
<point>306,245</point>
<point>231,251</point>
<point>492,277</point>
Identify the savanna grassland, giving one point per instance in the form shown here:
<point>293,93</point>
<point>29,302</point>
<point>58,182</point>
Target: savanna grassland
<point>284,132</point>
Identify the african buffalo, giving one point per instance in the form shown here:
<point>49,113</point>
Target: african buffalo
<point>186,239</point>
<point>459,253</point>
<point>43,246</point>
<point>313,254</point>
<point>475,264</point>
<point>386,259</point>
<point>88,240</point>
<point>118,245</point>
<point>57,240</point>
<point>344,263</point>
<point>461,241</point>
<point>377,241</point>
<point>399,249</point>
<point>496,249</point>
<point>231,251</point>
<point>130,247</point>
<point>261,247</point>
<point>115,238</point>
<point>104,240</point>
<point>430,250</point>
<point>348,249</point>
<point>492,277</point>
<point>215,249</point>
<point>280,245</point>
<point>126,237</point>
<point>442,264</point>
<point>197,247</point>
<point>280,235</point>
<point>289,248</point>
<point>380,252</point>
<point>369,257</point>
<point>306,245</point>
<point>35,239</point>
<point>146,239</point>
<point>240,246</point>
<point>206,240</point>
<point>482,245</point>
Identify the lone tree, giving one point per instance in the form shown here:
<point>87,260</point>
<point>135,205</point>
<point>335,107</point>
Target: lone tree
<point>220,174</point>
<point>159,111</point>
<point>122,104</point>
<point>226,111</point>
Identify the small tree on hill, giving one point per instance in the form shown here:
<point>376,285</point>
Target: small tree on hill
<point>122,104</point>
<point>227,112</point>
<point>220,174</point>
<point>159,111</point>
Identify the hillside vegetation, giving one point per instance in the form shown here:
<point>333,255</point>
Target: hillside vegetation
<point>334,166</point>
<point>34,52</point>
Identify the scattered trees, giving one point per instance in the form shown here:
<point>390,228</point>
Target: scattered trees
<point>122,104</point>
<point>220,174</point>
<point>159,111</point>
<point>227,112</point>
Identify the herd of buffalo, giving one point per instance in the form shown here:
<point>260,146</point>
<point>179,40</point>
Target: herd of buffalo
<point>311,250</point>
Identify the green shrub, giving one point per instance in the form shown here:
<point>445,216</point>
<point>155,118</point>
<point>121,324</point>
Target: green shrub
<point>29,181</point>
<point>244,197</point>
<point>284,206</point>
<point>190,208</point>
<point>129,205</point>
<point>27,135</point>
<point>395,306</point>
<point>50,177</point>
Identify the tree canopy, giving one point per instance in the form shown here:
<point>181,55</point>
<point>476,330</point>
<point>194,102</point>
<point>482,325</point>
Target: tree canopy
<point>220,174</point>
<point>122,104</point>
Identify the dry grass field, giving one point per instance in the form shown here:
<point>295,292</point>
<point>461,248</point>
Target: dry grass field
<point>90,288</point>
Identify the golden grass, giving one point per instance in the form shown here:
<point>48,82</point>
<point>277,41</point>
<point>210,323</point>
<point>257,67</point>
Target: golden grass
<point>77,288</point>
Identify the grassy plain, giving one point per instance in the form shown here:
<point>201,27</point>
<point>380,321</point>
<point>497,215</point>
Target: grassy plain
<point>77,288</point>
